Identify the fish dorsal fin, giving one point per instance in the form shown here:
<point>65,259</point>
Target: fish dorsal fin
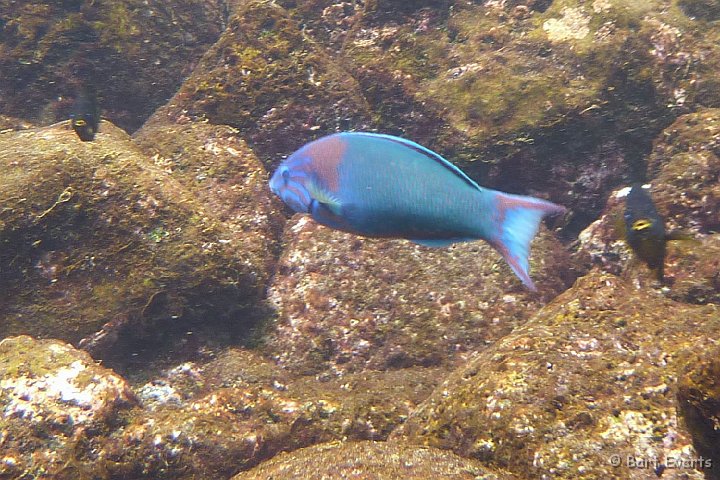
<point>424,151</point>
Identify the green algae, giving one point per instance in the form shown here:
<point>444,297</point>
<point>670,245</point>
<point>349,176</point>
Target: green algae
<point>93,234</point>
<point>267,74</point>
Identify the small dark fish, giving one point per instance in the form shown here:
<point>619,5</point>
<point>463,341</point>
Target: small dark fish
<point>85,117</point>
<point>644,230</point>
<point>383,186</point>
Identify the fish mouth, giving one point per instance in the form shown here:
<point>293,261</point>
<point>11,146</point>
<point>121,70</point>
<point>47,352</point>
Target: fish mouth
<point>291,193</point>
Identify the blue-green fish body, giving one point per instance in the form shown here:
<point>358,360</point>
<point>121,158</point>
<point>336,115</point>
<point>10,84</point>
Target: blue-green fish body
<point>383,186</point>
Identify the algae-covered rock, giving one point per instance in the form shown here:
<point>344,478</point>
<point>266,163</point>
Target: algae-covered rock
<point>271,81</point>
<point>52,399</point>
<point>11,123</point>
<point>685,165</point>
<point>98,234</point>
<point>365,405</point>
<point>213,419</point>
<point>699,405</point>
<point>562,97</point>
<point>683,169</point>
<point>582,390</point>
<point>371,461</point>
<point>348,303</point>
<point>135,52</point>
<point>64,417</point>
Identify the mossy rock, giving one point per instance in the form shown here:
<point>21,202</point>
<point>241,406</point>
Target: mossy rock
<point>699,406</point>
<point>685,165</point>
<point>593,374</point>
<point>214,419</point>
<point>53,398</point>
<point>96,234</point>
<point>136,53</point>
<point>271,81</point>
<point>371,461</point>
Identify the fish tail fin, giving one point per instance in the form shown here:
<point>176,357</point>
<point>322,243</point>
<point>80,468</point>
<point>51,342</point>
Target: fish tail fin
<point>516,222</point>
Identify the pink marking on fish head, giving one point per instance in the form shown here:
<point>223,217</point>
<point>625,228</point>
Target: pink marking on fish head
<point>325,156</point>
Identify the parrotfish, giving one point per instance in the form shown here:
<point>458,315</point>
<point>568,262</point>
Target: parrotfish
<point>378,185</point>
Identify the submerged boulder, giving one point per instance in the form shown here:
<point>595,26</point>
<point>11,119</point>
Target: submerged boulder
<point>134,52</point>
<point>52,399</point>
<point>699,405</point>
<point>347,303</point>
<point>371,461</point>
<point>583,389</point>
<point>683,170</point>
<point>97,237</point>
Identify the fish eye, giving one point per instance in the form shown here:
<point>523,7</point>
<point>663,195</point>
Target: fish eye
<point>285,173</point>
<point>642,224</point>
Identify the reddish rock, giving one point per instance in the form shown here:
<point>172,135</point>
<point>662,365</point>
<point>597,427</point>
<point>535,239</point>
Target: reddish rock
<point>347,303</point>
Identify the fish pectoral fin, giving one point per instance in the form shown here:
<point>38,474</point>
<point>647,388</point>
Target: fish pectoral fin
<point>327,199</point>
<point>439,243</point>
<point>678,235</point>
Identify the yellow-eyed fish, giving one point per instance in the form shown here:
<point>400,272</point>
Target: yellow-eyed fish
<point>85,117</point>
<point>644,230</point>
<point>384,186</point>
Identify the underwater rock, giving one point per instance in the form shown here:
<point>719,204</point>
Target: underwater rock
<point>11,123</point>
<point>53,398</point>
<point>66,417</point>
<point>683,170</point>
<point>685,165</point>
<point>135,52</point>
<point>376,461</point>
<point>582,390</point>
<point>347,303</point>
<point>573,91</point>
<point>699,405</point>
<point>213,419</point>
<point>99,241</point>
<point>271,81</point>
<point>562,98</point>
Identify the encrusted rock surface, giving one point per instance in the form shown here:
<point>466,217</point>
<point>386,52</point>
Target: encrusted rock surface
<point>699,406</point>
<point>98,234</point>
<point>371,461</point>
<point>683,168</point>
<point>592,375</point>
<point>52,399</point>
<point>134,52</point>
<point>347,303</point>
<point>65,417</point>
<point>159,249</point>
